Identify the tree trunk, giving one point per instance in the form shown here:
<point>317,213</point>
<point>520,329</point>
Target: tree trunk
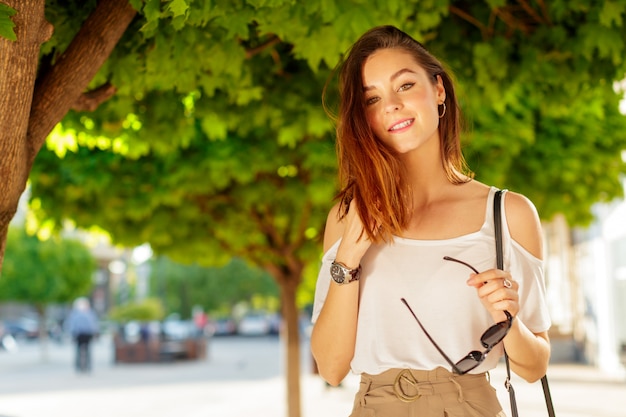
<point>43,332</point>
<point>291,339</point>
<point>38,104</point>
<point>18,71</point>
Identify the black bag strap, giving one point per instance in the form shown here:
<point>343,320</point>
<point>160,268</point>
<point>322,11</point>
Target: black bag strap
<point>497,219</point>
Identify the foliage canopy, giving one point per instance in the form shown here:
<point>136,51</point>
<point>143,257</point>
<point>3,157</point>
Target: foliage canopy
<point>45,272</point>
<point>216,290</point>
<point>223,99</point>
<point>149,309</point>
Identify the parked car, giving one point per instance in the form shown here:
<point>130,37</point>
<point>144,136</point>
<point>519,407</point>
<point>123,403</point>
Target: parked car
<point>27,328</point>
<point>224,326</point>
<point>175,329</point>
<point>276,322</point>
<point>254,324</point>
<point>7,341</point>
<point>22,328</point>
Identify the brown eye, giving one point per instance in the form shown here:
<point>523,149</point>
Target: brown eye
<point>371,100</point>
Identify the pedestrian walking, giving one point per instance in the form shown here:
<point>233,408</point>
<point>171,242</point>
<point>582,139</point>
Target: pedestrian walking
<point>82,325</point>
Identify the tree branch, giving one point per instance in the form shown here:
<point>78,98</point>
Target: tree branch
<point>531,12</point>
<point>258,49</point>
<point>544,12</point>
<point>90,100</point>
<point>469,18</point>
<point>276,272</point>
<point>266,227</point>
<point>303,224</point>
<point>511,21</point>
<point>279,65</point>
<point>59,88</point>
<point>522,18</point>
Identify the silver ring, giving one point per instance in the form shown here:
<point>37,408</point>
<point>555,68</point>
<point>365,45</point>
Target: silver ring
<point>507,283</point>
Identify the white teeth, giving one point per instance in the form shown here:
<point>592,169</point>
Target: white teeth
<point>402,125</point>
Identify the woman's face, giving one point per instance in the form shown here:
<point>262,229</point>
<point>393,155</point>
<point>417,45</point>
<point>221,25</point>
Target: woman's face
<point>401,100</point>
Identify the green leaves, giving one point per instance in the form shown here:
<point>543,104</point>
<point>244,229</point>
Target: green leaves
<point>44,272</point>
<point>218,126</point>
<point>147,310</point>
<point>217,290</point>
<point>177,7</point>
<point>612,14</point>
<point>6,24</point>
<point>496,3</point>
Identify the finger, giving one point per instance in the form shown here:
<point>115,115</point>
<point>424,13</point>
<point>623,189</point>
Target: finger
<point>495,291</point>
<point>499,294</point>
<point>505,305</point>
<point>502,300</point>
<point>478,280</point>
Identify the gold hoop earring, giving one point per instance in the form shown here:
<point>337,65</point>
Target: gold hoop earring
<point>444,110</point>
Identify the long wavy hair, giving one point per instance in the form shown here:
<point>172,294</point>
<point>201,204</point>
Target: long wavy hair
<point>370,171</point>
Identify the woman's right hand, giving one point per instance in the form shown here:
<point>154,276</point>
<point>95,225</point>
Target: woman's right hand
<point>354,240</point>
<point>334,333</point>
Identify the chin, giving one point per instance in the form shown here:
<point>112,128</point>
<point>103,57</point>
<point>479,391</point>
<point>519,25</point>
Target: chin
<point>405,148</point>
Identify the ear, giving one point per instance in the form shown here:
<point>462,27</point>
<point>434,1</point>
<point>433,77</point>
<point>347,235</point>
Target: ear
<point>440,90</point>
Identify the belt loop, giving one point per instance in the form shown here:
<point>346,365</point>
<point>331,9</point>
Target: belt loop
<point>365,390</point>
<point>458,386</point>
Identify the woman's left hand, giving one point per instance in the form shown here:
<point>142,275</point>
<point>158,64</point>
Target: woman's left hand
<point>497,291</point>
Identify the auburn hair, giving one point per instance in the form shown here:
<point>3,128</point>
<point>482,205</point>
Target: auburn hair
<point>370,171</point>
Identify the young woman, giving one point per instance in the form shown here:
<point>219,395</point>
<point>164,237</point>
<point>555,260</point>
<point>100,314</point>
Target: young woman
<point>408,284</point>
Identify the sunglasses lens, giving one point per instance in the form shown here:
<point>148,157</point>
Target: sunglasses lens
<point>471,361</point>
<point>495,334</point>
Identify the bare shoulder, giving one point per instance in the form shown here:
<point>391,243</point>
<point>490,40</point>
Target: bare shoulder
<point>334,227</point>
<point>524,224</point>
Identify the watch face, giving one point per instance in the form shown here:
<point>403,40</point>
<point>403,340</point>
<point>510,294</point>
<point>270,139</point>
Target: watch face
<point>337,273</point>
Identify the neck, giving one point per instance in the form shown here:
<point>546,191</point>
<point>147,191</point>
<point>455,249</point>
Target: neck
<point>426,176</point>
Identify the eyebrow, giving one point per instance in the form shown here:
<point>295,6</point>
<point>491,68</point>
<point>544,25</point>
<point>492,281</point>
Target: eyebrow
<point>393,77</point>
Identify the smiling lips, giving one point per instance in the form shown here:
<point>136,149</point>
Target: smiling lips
<point>401,125</point>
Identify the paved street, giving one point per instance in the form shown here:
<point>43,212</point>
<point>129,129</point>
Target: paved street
<point>241,377</point>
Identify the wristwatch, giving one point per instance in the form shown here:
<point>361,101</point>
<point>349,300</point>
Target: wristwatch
<point>342,274</point>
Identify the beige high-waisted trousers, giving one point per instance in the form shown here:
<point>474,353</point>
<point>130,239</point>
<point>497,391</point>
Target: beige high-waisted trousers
<point>436,393</point>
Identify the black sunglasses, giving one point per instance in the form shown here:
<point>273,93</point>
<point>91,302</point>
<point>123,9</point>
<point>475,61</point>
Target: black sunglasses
<point>489,339</point>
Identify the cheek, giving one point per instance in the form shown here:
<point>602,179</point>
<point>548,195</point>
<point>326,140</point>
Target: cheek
<point>373,121</point>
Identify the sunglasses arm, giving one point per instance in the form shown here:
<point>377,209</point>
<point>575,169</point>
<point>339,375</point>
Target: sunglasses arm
<point>454,367</point>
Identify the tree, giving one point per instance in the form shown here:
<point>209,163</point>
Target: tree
<point>39,96</point>
<point>56,270</point>
<point>217,290</point>
<point>207,115</point>
<point>41,273</point>
<point>149,309</point>
<point>242,197</point>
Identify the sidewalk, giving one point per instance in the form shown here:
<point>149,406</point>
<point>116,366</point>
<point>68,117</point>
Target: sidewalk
<point>574,396</point>
<point>248,382</point>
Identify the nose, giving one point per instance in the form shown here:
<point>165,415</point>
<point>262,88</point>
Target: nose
<point>393,103</point>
